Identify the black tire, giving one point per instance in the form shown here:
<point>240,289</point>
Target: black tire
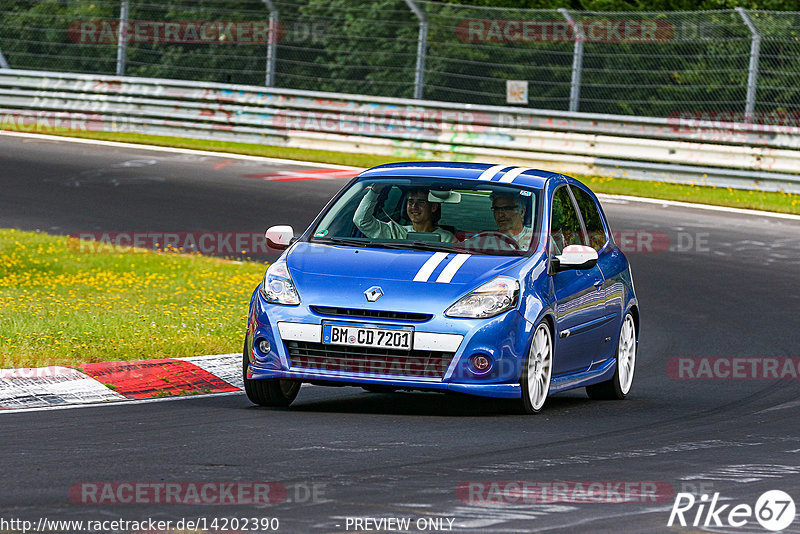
<point>618,387</point>
<point>379,389</point>
<point>268,392</point>
<point>540,362</point>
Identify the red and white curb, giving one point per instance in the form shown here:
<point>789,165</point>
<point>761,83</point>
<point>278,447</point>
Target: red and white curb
<point>89,383</point>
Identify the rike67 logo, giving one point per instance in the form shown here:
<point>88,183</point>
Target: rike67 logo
<point>774,510</point>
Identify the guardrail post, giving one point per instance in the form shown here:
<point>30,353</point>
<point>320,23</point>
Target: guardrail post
<point>3,62</point>
<point>422,47</point>
<point>752,73</point>
<point>122,37</point>
<point>577,60</point>
<point>272,44</point>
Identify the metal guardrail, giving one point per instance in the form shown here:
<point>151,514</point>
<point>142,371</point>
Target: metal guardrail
<point>721,154</point>
<point>646,63</point>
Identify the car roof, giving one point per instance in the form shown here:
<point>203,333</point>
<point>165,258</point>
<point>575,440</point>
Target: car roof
<point>518,175</point>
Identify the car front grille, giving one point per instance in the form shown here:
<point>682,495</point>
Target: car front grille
<point>370,360</point>
<point>371,314</point>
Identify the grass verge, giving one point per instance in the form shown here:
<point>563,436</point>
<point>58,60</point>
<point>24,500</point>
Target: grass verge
<point>61,306</point>
<point>737,198</point>
<point>718,196</point>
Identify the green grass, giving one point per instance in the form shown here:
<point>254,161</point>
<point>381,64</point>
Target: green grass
<point>62,306</point>
<point>767,201</point>
<point>719,196</point>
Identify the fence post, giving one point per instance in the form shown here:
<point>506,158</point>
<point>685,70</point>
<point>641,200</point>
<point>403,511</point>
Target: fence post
<point>122,37</point>
<point>422,47</point>
<point>272,43</point>
<point>577,60</point>
<point>752,73</point>
<point>3,62</point>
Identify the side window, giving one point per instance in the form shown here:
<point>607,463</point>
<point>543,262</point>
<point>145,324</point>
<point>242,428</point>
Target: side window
<point>591,217</point>
<point>565,227</point>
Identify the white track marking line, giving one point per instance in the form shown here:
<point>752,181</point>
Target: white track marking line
<point>709,207</point>
<point>157,148</point>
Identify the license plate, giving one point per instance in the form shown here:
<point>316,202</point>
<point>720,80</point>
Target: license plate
<point>357,336</point>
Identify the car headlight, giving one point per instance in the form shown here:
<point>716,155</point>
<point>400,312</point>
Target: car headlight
<point>492,298</point>
<point>277,286</point>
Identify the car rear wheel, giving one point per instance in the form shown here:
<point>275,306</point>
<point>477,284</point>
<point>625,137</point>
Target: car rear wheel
<point>536,373</point>
<point>268,392</point>
<point>620,384</point>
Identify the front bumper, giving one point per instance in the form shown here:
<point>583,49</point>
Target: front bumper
<point>448,343</point>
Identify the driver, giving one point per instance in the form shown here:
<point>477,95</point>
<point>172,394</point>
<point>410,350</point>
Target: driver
<point>509,213</point>
<point>423,214</point>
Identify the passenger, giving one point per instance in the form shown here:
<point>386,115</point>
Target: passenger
<point>509,214</point>
<point>423,214</point>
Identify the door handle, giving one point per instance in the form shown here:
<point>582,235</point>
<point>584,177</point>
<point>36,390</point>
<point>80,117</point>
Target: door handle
<point>598,283</point>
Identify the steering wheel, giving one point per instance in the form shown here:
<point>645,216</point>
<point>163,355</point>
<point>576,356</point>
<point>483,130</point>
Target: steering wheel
<point>491,234</point>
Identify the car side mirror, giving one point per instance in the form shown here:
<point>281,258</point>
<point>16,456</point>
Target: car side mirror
<point>575,257</point>
<point>279,237</point>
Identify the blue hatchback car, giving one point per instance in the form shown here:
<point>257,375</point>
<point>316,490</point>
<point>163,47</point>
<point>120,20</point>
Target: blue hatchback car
<point>497,281</point>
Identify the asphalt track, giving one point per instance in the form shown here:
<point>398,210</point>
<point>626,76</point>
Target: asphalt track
<point>732,294</point>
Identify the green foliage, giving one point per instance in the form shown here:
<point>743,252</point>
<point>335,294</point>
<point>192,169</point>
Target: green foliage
<point>370,47</point>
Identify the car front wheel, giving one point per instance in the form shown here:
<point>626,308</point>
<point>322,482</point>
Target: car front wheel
<point>268,392</point>
<point>620,384</point>
<point>535,379</point>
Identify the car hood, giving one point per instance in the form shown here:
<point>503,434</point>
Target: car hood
<point>330,275</point>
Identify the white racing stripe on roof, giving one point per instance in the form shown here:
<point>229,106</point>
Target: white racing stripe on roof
<point>511,175</point>
<point>489,173</point>
<point>427,269</point>
<point>452,268</point>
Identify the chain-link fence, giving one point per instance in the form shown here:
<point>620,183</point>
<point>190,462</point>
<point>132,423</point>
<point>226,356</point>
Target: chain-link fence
<point>728,64</point>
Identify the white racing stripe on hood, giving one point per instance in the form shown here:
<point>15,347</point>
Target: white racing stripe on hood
<point>427,269</point>
<point>489,173</point>
<point>511,175</point>
<point>452,268</point>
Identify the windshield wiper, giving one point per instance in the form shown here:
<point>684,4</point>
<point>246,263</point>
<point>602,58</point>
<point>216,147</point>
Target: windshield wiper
<point>431,245</point>
<point>353,242</point>
<point>343,241</point>
<point>401,245</point>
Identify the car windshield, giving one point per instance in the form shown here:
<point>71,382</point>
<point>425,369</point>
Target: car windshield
<point>433,214</point>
